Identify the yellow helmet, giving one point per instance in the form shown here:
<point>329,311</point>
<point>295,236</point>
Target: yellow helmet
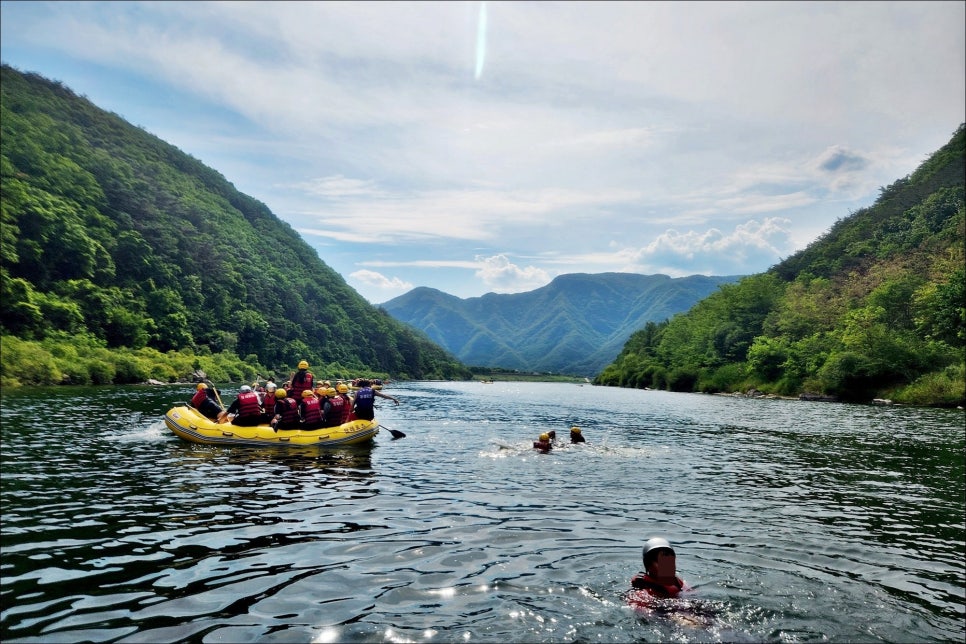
<point>303,365</point>
<point>280,393</point>
<point>544,437</point>
<point>575,429</point>
<point>308,393</point>
<point>330,391</point>
<point>201,386</point>
<point>342,388</point>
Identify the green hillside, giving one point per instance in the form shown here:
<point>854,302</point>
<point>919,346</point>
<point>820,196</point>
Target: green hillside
<point>872,309</point>
<point>115,243</point>
<point>575,325</point>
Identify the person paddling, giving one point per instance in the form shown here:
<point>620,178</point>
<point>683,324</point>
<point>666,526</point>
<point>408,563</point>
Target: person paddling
<point>363,404</point>
<point>204,401</point>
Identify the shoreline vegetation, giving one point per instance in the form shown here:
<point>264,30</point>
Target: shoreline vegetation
<point>85,361</point>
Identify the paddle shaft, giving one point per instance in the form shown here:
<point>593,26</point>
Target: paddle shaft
<point>215,389</point>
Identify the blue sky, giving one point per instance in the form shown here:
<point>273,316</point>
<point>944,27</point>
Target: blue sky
<point>488,147</point>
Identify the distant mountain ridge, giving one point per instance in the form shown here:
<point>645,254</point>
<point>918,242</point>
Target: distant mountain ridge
<point>577,324</point>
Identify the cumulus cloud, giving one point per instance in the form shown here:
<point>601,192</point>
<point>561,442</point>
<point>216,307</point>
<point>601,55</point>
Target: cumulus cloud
<point>744,250</point>
<point>380,281</point>
<point>503,276</point>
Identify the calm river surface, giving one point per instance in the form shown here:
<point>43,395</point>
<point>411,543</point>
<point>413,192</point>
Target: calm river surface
<point>792,521</point>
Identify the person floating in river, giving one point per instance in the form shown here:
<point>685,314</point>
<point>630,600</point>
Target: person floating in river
<point>659,579</point>
<point>364,403</point>
<point>204,401</point>
<point>545,442</point>
<point>576,436</point>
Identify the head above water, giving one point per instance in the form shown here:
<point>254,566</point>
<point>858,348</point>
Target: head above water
<point>652,547</point>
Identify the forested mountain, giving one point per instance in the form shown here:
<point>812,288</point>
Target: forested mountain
<point>113,237</point>
<point>575,325</point>
<point>874,308</point>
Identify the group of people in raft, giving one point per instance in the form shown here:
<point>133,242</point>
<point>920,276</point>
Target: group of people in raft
<point>299,404</point>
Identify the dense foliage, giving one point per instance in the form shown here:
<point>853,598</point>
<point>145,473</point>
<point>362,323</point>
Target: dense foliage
<point>113,238</point>
<point>577,324</point>
<point>874,308</point>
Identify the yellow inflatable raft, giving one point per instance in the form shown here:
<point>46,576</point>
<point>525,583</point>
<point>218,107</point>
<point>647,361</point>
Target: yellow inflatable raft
<point>189,424</point>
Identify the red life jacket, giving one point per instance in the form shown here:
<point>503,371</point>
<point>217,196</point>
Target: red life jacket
<point>268,402</point>
<point>199,398</point>
<point>311,410</point>
<point>299,385</point>
<point>346,408</point>
<point>643,581</point>
<point>289,410</point>
<point>248,404</point>
<point>337,411</point>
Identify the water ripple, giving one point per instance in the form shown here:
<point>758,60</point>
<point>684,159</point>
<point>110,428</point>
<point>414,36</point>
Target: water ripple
<point>792,521</point>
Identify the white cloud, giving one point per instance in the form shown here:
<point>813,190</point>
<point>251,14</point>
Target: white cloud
<point>744,250</point>
<point>361,211</point>
<point>502,276</point>
<point>380,281</point>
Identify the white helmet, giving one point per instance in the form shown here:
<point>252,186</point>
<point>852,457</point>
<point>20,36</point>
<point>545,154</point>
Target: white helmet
<point>655,543</point>
<point>270,386</point>
<point>245,388</point>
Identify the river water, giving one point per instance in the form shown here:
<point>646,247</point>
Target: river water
<point>792,521</point>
